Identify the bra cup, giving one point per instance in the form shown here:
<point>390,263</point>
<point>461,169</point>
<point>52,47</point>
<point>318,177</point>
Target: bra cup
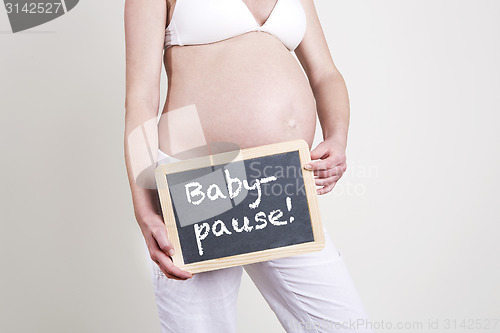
<point>288,23</point>
<point>207,21</point>
<point>212,21</point>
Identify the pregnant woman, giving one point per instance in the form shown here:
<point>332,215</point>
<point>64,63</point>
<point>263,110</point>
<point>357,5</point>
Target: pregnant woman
<point>233,77</point>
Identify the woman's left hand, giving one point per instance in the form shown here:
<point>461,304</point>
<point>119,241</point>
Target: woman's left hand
<point>331,166</point>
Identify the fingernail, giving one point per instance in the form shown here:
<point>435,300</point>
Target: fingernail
<point>171,252</point>
<point>308,167</point>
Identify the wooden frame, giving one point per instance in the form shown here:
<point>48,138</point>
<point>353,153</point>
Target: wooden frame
<point>223,158</point>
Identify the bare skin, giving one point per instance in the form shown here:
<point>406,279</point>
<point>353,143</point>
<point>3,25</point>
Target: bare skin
<point>248,90</point>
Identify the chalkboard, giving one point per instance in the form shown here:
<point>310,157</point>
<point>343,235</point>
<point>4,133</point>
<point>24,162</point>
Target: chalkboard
<point>237,208</point>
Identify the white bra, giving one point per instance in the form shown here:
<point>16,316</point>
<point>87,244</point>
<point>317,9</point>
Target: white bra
<point>197,22</point>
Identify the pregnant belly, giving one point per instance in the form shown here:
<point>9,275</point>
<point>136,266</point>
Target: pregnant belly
<point>229,93</point>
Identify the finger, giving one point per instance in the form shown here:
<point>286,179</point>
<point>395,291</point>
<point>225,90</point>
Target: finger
<point>336,171</point>
<point>191,274</point>
<point>164,243</point>
<point>170,276</point>
<point>176,277</point>
<point>326,181</point>
<point>325,173</point>
<point>168,267</point>
<point>325,164</point>
<point>165,262</point>
<point>174,270</point>
<point>326,189</point>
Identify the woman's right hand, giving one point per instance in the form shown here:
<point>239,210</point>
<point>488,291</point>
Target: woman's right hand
<point>159,246</point>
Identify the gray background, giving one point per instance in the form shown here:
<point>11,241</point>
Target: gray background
<point>416,215</point>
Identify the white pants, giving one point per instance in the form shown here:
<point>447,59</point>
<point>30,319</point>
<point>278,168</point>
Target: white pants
<point>311,292</point>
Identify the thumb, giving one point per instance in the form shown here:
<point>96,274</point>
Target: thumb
<point>319,152</point>
<point>163,242</point>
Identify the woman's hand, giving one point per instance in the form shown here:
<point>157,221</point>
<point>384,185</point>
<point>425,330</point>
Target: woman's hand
<point>331,166</point>
<point>159,246</point>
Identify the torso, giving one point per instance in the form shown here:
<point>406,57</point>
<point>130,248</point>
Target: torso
<point>248,90</point>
